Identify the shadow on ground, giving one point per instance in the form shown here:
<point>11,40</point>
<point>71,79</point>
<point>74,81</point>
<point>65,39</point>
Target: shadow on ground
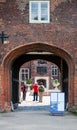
<point>33,108</point>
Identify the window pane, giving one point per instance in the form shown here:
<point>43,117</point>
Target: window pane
<point>34,17</point>
<point>22,76</point>
<point>34,5</point>
<point>44,5</point>
<point>54,70</point>
<point>44,17</point>
<point>42,62</point>
<point>22,70</point>
<point>27,76</point>
<point>26,71</point>
<point>44,11</point>
<point>34,11</point>
<point>42,70</point>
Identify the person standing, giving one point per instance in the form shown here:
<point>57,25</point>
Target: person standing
<point>22,91</point>
<point>35,92</point>
<point>41,91</point>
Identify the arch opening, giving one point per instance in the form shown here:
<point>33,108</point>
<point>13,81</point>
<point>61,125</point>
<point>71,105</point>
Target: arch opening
<point>24,54</point>
<point>50,58</point>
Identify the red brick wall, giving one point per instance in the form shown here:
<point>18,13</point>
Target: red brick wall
<point>61,32</point>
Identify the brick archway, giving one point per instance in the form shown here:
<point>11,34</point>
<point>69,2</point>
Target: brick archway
<point>24,49</point>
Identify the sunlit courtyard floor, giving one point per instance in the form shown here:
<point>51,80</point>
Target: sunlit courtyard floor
<point>29,104</point>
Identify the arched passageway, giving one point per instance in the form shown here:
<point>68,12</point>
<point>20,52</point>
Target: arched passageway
<point>19,56</point>
<point>25,58</point>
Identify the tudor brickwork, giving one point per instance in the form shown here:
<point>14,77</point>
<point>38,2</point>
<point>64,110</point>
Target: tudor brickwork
<point>61,31</point>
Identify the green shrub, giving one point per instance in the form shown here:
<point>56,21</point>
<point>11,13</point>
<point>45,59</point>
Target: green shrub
<point>28,81</point>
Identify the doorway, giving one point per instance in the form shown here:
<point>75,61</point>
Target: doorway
<point>25,58</point>
<point>26,53</point>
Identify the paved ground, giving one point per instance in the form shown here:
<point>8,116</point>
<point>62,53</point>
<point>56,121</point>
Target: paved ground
<point>36,119</point>
<point>29,104</point>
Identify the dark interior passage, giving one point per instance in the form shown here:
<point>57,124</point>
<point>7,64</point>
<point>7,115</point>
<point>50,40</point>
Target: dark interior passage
<point>28,57</point>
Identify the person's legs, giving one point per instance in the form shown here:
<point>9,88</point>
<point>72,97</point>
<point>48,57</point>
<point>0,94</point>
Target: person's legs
<point>40,96</point>
<point>34,96</point>
<point>24,95</point>
<point>21,96</point>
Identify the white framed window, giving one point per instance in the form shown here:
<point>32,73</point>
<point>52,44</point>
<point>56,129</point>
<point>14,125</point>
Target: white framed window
<point>39,12</point>
<point>24,74</point>
<point>54,70</point>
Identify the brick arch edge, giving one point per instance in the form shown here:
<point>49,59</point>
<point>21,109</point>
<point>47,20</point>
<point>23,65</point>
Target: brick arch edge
<point>23,49</point>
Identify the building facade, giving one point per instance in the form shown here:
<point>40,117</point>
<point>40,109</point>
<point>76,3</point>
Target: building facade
<point>37,29</point>
<point>40,71</point>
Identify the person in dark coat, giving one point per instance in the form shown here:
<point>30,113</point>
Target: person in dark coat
<point>25,91</point>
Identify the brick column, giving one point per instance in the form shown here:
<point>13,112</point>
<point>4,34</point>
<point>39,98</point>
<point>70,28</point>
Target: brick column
<point>75,86</point>
<point>1,90</point>
<point>75,90</point>
<point>4,91</point>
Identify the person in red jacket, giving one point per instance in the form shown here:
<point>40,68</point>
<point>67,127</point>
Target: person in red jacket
<point>35,92</point>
